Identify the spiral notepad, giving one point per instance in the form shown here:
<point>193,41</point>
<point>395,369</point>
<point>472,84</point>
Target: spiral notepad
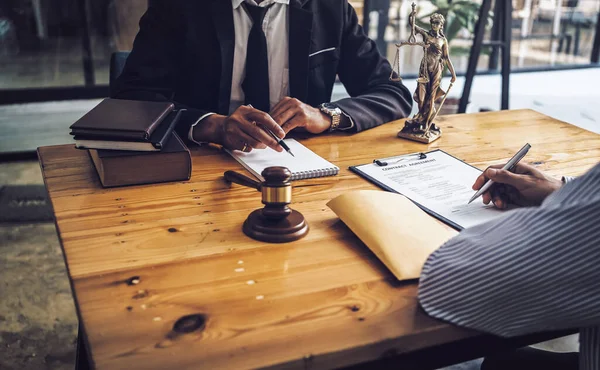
<point>305,165</point>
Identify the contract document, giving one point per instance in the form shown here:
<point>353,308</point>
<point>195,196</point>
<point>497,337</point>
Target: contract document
<point>437,182</point>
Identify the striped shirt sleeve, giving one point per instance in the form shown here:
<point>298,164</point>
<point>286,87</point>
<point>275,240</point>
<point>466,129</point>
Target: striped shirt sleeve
<point>589,354</point>
<point>535,269</point>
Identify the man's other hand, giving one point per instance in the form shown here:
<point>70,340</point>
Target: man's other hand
<point>291,113</point>
<point>241,130</point>
<point>527,186</point>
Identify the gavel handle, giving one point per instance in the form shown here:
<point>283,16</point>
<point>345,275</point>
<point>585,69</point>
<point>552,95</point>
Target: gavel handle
<point>238,178</point>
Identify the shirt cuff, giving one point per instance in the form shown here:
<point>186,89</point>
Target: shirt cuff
<point>190,136</point>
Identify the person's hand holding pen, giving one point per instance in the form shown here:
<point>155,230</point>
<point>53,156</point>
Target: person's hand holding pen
<point>524,186</point>
<point>272,134</point>
<point>241,130</point>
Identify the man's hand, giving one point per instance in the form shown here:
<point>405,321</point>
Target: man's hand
<point>291,113</point>
<point>527,186</point>
<point>240,130</point>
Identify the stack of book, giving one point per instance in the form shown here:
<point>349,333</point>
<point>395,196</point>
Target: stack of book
<point>132,142</point>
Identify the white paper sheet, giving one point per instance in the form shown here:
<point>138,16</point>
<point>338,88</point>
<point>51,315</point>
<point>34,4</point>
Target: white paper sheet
<point>440,183</point>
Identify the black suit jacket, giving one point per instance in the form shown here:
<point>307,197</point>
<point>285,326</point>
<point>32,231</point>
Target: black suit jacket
<point>184,49</point>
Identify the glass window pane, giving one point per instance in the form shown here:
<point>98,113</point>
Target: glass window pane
<point>40,44</point>
<point>460,21</point>
<point>553,32</point>
<point>545,33</point>
<point>42,41</point>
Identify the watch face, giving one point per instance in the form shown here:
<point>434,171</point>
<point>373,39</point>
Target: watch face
<point>329,106</point>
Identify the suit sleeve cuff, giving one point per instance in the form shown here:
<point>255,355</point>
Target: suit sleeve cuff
<point>190,136</point>
<point>351,127</point>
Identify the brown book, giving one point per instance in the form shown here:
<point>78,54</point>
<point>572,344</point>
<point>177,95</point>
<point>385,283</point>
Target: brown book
<point>120,167</point>
<point>120,119</point>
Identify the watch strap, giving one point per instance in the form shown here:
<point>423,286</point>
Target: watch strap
<point>335,122</point>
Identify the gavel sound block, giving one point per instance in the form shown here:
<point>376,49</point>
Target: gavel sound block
<point>276,222</point>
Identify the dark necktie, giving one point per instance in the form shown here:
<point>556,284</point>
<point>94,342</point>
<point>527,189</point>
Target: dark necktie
<point>256,82</point>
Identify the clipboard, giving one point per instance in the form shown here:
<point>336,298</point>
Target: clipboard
<point>407,158</point>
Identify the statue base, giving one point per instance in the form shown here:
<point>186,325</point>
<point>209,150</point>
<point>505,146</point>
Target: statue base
<point>413,133</point>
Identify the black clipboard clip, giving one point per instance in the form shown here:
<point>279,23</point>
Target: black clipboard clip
<point>408,157</point>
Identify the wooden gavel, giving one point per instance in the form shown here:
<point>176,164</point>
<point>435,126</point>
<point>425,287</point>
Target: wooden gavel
<point>276,222</point>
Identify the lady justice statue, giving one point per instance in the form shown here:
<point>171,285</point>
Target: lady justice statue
<point>435,47</point>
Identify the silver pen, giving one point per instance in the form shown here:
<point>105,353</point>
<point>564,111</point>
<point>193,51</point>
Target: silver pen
<point>510,165</point>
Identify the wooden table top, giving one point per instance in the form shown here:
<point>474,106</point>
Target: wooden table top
<point>141,258</point>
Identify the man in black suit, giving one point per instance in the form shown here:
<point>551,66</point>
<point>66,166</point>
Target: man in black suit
<point>237,65</point>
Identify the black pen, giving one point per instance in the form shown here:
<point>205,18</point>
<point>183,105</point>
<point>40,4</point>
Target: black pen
<point>279,141</point>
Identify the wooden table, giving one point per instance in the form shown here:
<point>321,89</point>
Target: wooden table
<point>141,258</point>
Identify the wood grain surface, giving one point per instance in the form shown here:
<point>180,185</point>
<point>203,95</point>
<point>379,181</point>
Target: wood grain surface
<point>141,258</point>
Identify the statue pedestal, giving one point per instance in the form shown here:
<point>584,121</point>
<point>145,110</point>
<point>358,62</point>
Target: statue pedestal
<point>418,135</point>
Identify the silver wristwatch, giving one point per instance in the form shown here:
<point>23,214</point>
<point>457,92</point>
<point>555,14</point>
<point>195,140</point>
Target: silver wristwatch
<point>334,112</point>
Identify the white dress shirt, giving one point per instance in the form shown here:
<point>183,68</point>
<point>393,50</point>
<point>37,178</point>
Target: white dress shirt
<point>275,27</point>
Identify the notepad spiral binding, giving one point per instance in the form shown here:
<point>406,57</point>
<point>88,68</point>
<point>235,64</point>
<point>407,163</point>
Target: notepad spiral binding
<point>301,175</point>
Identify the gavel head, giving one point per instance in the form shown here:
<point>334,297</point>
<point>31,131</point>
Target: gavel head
<point>276,192</point>
<point>276,222</point>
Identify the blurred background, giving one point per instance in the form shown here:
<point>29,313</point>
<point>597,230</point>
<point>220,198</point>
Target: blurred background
<point>55,66</point>
<point>68,43</point>
<point>60,50</point>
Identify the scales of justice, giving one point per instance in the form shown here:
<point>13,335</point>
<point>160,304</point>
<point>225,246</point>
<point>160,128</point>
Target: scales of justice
<point>421,127</point>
